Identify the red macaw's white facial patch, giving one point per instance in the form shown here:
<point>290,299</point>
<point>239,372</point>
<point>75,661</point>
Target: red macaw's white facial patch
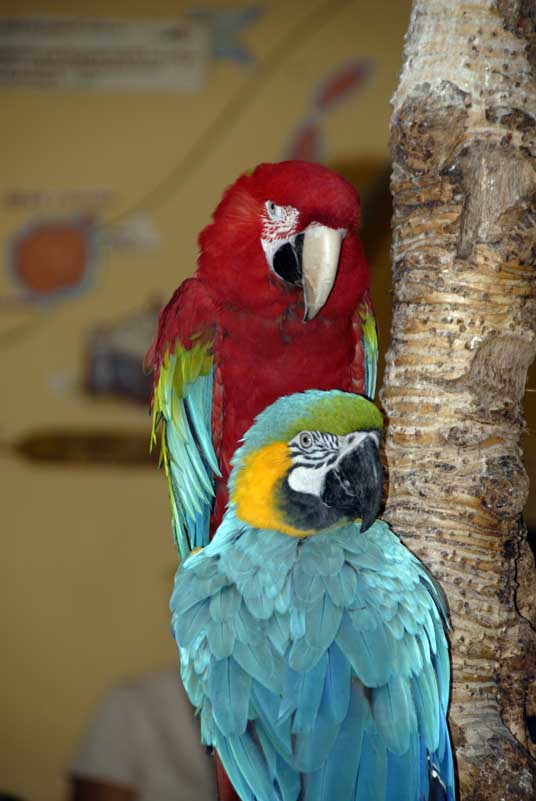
<point>279,224</point>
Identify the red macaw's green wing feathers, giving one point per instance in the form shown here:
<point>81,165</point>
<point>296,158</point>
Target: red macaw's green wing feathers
<point>182,410</point>
<point>367,344</point>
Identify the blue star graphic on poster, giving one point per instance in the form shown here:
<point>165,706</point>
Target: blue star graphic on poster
<point>225,26</point>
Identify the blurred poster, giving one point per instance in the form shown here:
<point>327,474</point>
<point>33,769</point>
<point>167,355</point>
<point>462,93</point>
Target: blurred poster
<point>52,258</point>
<point>104,55</point>
<point>308,140</point>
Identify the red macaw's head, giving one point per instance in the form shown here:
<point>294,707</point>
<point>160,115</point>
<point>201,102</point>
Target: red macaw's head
<point>286,235</point>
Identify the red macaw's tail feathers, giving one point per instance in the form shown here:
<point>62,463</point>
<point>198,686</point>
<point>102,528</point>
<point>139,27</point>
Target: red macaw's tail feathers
<point>226,791</point>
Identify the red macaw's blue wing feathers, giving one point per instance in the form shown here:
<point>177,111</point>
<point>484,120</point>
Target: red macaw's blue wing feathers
<point>182,407</point>
<point>319,666</point>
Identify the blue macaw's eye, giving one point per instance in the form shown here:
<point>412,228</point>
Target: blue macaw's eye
<point>306,440</point>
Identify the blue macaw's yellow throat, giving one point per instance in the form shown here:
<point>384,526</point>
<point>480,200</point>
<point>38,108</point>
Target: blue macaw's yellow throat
<point>255,489</point>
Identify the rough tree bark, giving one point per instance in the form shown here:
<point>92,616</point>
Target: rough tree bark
<point>464,333</point>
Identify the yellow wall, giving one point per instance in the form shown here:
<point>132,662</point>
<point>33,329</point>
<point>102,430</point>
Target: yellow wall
<point>87,553</point>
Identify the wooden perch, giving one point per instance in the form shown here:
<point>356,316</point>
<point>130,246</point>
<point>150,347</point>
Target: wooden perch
<point>463,141</point>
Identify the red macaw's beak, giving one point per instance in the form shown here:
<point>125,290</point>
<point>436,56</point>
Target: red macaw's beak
<point>310,260</point>
<point>320,261</point>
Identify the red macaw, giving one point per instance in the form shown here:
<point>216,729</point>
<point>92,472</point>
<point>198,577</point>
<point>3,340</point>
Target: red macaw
<point>279,303</point>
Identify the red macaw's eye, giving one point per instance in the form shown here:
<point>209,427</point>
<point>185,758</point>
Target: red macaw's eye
<point>274,211</point>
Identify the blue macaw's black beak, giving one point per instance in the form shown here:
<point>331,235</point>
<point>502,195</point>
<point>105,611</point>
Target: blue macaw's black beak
<point>353,486</point>
<point>287,261</point>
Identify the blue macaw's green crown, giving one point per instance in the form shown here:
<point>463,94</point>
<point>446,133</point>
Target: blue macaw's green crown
<point>333,412</point>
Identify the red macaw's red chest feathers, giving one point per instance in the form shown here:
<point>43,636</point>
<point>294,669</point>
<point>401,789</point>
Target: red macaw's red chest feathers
<point>282,247</point>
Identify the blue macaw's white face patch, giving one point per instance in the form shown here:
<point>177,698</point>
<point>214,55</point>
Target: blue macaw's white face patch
<point>315,453</point>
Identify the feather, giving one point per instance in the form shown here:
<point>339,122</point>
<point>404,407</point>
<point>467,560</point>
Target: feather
<point>266,705</point>
<point>394,714</point>
<point>307,587</point>
<point>312,748</point>
<point>342,587</point>
<point>402,778</point>
<point>208,729</point>
<point>290,695</point>
<point>337,684</point>
<point>409,658</point>
<point>229,690</point>
<point>441,663</point>
<point>198,399</point>
<point>321,556</point>
<point>258,661</point>
<point>337,777</point>
<point>246,627</point>
<point>297,622</point>
<point>303,655</point>
<point>224,604</point>
<point>236,564</point>
<point>187,625</point>
<point>424,776</point>
<point>278,630</point>
<point>369,652</point>
<point>221,638</point>
<point>410,619</point>
<point>234,770</point>
<point>182,406</point>
<point>260,606</point>
<point>252,766</point>
<point>372,774</point>
<point>426,699</point>
<point>322,620</point>
<point>286,780</point>
<point>282,601</point>
<point>396,627</point>
<point>191,589</point>
<point>309,694</point>
<point>363,618</point>
<point>370,344</point>
<point>429,627</point>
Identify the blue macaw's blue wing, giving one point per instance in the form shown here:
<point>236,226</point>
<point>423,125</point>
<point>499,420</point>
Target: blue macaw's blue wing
<point>319,666</point>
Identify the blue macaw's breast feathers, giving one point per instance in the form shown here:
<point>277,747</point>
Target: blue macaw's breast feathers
<point>319,666</point>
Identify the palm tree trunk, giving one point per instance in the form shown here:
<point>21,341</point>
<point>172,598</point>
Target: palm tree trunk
<point>463,141</point>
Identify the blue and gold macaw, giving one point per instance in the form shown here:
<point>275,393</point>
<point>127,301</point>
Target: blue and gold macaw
<point>312,642</point>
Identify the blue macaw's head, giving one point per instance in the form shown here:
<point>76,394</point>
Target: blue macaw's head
<point>308,463</point>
